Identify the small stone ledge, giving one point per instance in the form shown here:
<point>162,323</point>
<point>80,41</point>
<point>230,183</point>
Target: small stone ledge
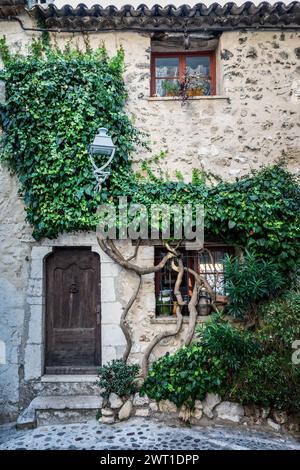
<point>69,378</point>
<point>168,320</point>
<point>193,98</point>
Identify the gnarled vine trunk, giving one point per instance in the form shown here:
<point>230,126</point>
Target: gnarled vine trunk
<point>173,255</point>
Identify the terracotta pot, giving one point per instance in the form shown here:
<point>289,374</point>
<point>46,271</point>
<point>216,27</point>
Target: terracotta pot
<point>195,92</point>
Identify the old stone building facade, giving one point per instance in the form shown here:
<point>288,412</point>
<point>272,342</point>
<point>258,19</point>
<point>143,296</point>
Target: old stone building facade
<point>251,119</point>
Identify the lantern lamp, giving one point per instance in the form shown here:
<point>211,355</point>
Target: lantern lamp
<point>102,146</point>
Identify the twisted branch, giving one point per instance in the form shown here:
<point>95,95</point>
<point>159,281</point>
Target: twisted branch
<point>157,339</point>
<point>123,322</point>
<point>193,316</point>
<point>112,251</point>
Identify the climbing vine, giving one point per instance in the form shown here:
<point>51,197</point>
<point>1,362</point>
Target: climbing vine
<point>260,212</point>
<point>55,101</point>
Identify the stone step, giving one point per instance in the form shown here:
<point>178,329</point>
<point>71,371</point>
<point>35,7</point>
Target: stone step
<point>59,385</point>
<point>59,410</point>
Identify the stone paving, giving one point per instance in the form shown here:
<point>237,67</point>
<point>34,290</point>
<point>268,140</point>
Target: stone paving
<point>139,433</point>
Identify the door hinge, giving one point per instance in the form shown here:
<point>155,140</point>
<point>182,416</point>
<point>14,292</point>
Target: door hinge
<point>98,315</point>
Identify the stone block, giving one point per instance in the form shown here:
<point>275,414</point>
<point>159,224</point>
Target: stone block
<point>198,414</point>
<point>143,412</point>
<point>112,335</point>
<point>125,411</point>
<point>111,312</point>
<point>35,332</point>
<point>167,406</point>
<point>35,288</point>
<point>107,420</point>
<point>115,401</point>
<point>230,411</point>
<point>110,270</point>
<point>209,403</point>
<point>107,412</point>
<point>108,354</point>
<point>153,407</point>
<point>273,425</point>
<point>140,401</point>
<point>33,361</point>
<point>36,268</point>
<point>108,289</point>
<point>39,252</point>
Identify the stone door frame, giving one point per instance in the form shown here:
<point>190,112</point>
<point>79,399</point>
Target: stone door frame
<point>34,355</point>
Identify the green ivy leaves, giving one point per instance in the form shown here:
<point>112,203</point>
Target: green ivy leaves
<point>55,101</point>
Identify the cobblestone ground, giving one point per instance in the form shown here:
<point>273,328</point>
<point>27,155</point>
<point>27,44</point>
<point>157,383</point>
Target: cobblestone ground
<point>139,433</point>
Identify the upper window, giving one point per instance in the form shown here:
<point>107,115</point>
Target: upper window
<point>170,72</point>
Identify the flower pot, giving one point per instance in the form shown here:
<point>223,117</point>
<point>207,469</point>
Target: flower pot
<point>195,92</point>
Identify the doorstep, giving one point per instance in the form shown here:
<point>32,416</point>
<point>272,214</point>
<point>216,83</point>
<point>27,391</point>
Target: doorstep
<point>64,406</point>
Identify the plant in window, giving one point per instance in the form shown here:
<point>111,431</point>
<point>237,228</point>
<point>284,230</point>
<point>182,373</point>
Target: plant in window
<point>171,88</point>
<point>194,85</point>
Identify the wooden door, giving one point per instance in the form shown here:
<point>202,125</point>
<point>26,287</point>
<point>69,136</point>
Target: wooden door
<point>73,336</point>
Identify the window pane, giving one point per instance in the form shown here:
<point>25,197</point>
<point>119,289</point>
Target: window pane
<point>199,75</point>
<point>166,302</point>
<point>167,67</point>
<point>198,65</point>
<point>167,87</point>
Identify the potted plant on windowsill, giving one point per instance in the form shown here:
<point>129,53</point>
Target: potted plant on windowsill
<point>171,88</point>
<point>195,85</point>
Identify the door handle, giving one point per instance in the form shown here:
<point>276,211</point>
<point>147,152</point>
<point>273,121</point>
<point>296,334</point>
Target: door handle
<point>98,315</point>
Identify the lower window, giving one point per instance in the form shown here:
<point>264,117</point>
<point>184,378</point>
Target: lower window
<point>208,262</point>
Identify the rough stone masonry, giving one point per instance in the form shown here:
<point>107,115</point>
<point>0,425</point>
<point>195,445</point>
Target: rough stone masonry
<point>252,121</point>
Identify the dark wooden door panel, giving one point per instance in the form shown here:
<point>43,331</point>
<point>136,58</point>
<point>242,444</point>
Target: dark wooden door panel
<point>73,299</point>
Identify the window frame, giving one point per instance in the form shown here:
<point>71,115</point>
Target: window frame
<point>192,258</point>
<point>182,66</point>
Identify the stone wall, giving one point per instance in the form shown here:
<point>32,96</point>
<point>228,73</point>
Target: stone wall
<point>211,410</point>
<point>252,120</point>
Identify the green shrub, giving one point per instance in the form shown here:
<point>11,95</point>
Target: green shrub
<point>117,377</point>
<point>232,345</point>
<point>281,320</point>
<point>184,376</point>
<point>249,281</point>
<point>207,366</point>
<point>271,380</point>
<point>251,367</point>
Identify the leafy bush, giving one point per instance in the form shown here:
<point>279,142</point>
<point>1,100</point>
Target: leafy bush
<point>184,376</point>
<point>231,345</point>
<point>249,367</point>
<point>281,320</point>
<point>117,377</point>
<point>203,367</point>
<point>250,280</point>
<point>270,380</point>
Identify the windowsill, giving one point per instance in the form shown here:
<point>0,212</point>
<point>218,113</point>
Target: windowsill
<point>192,98</point>
<point>170,320</point>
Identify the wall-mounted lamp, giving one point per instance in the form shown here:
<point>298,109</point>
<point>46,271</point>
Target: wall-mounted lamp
<point>102,146</point>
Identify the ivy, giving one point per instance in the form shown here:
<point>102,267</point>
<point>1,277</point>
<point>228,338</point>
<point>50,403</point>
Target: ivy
<point>55,102</point>
<point>260,212</point>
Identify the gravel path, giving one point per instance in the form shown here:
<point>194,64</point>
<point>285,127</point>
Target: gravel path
<point>139,433</point>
